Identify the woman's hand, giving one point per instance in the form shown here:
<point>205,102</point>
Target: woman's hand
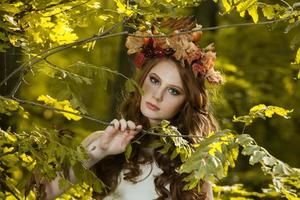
<point>113,140</point>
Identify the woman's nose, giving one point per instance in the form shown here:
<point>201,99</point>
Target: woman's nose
<point>158,94</point>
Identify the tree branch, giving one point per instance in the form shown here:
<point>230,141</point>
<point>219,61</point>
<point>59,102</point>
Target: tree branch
<point>57,49</point>
<point>88,117</point>
<point>106,34</point>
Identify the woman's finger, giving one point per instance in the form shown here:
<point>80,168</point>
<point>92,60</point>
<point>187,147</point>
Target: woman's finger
<point>138,128</point>
<point>116,124</point>
<point>110,129</point>
<point>123,125</point>
<point>128,136</point>
<point>131,125</point>
<point>109,133</point>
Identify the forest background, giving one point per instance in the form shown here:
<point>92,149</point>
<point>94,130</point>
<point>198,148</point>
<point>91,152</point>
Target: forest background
<point>61,48</point>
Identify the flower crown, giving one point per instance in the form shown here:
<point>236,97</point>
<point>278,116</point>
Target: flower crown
<point>180,46</point>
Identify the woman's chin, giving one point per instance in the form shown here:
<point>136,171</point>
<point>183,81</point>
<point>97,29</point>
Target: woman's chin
<point>152,117</point>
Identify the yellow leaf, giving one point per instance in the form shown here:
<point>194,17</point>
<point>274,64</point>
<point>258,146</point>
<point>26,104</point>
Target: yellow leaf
<point>122,8</point>
<point>258,107</point>
<point>297,59</point>
<point>253,13</point>
<point>26,158</point>
<point>242,14</point>
<point>7,150</point>
<point>245,5</point>
<point>268,12</point>
<point>37,38</point>
<point>103,17</point>
<point>277,110</point>
<point>17,174</point>
<point>46,22</point>
<point>226,5</point>
<point>31,196</point>
<point>10,137</point>
<point>64,105</point>
<point>281,111</point>
<point>62,33</point>
<point>214,147</point>
<point>70,116</point>
<point>269,113</point>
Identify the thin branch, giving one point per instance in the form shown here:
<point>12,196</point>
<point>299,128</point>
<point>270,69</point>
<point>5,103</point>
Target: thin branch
<point>244,128</point>
<point>55,67</point>
<point>211,28</point>
<point>57,49</point>
<point>106,34</point>
<point>7,153</point>
<point>66,10</point>
<point>85,116</point>
<point>286,3</point>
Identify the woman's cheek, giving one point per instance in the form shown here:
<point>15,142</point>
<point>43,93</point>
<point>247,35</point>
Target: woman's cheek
<point>171,106</point>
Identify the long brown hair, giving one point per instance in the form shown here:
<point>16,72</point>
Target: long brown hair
<point>194,118</point>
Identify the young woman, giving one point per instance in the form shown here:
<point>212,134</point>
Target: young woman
<point>173,77</point>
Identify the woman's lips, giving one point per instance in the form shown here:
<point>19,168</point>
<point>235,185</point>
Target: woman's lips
<point>152,107</point>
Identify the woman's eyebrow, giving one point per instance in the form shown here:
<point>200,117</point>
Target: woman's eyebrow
<point>156,76</point>
<point>176,86</point>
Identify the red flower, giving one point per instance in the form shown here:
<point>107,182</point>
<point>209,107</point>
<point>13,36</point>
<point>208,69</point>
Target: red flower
<point>198,68</point>
<point>159,52</point>
<point>139,60</point>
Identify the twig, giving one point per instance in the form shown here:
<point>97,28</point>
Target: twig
<point>78,5</point>
<point>106,34</point>
<point>85,116</point>
<point>57,49</point>
<point>211,28</point>
<point>286,3</point>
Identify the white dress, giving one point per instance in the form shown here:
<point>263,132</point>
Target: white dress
<point>126,190</point>
<point>143,190</point>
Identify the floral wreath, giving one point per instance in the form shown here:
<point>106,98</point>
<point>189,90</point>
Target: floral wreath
<point>181,46</point>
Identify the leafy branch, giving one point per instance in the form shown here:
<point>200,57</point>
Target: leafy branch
<point>210,158</point>
<point>30,159</point>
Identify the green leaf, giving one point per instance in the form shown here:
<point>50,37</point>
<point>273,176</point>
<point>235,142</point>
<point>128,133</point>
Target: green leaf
<point>250,149</point>
<point>128,151</point>
<point>132,86</point>
<point>256,157</point>
<point>244,139</point>
<point>155,144</point>
<point>174,153</point>
<point>7,7</point>
<point>270,161</point>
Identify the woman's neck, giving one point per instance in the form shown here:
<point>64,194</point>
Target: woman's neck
<point>154,122</point>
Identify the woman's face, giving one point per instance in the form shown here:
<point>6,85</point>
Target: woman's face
<point>163,92</point>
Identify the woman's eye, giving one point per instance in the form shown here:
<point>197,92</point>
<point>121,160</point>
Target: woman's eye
<point>154,80</point>
<point>173,91</point>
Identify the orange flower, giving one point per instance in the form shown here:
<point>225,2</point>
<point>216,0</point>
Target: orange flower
<point>194,53</point>
<point>208,60</point>
<point>214,77</point>
<point>135,44</point>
